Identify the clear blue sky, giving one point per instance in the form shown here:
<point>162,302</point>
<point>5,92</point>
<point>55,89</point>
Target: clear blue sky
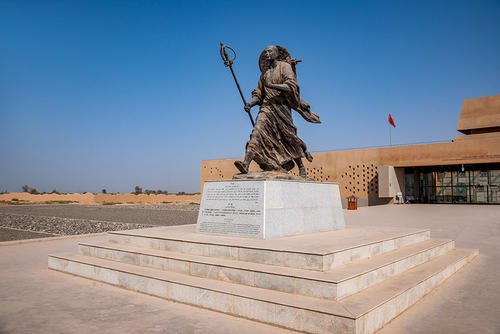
<point>113,94</point>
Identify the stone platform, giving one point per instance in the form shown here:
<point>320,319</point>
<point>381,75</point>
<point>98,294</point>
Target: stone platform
<point>269,208</point>
<point>344,281</point>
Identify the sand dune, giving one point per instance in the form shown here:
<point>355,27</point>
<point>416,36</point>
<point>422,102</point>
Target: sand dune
<point>89,198</point>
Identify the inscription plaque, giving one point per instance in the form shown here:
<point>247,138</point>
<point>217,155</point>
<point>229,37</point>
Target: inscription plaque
<point>232,208</point>
<point>269,208</point>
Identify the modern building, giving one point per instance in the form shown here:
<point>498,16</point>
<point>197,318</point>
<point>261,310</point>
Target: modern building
<point>465,170</point>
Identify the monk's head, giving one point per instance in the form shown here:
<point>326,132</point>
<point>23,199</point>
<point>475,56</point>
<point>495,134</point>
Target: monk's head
<point>271,52</point>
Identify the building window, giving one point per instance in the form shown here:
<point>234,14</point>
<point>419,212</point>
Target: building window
<point>450,184</point>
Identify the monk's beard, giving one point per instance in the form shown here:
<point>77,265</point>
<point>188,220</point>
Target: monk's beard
<point>267,63</point>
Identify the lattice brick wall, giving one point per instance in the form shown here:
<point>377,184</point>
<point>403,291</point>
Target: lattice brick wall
<point>215,173</point>
<point>315,173</point>
<point>360,179</point>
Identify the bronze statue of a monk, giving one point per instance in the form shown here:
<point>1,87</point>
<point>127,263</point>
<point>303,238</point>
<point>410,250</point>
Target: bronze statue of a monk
<point>274,144</point>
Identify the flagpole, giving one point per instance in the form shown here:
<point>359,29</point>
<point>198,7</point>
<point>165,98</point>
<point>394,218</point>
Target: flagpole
<point>390,138</point>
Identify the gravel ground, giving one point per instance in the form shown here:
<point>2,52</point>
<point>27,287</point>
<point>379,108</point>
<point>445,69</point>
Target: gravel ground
<point>28,221</point>
<point>63,226</point>
<point>164,215</point>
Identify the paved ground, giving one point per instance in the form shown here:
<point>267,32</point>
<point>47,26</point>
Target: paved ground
<point>35,299</point>
<point>8,234</point>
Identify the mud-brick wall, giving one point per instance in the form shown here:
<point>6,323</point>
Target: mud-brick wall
<point>356,171</point>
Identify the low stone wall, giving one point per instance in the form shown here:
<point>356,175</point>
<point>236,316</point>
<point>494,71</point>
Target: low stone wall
<point>89,198</point>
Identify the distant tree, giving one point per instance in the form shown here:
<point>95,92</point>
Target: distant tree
<point>33,191</point>
<point>104,191</point>
<point>138,190</point>
<point>54,192</point>
<point>26,188</point>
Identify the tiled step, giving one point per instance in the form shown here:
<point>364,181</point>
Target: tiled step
<point>315,251</point>
<point>376,306</point>
<point>335,283</point>
<point>363,312</point>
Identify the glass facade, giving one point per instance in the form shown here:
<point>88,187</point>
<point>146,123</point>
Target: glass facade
<point>475,184</point>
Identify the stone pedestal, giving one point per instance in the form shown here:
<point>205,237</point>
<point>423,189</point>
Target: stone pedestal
<point>269,208</point>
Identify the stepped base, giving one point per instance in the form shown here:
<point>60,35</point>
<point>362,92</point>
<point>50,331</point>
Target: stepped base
<point>333,284</point>
<point>315,251</point>
<point>360,278</point>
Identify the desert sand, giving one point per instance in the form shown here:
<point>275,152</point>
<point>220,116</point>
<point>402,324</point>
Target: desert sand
<point>89,198</point>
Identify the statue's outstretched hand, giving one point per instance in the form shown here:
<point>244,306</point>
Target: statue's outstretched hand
<point>304,105</point>
<point>247,107</point>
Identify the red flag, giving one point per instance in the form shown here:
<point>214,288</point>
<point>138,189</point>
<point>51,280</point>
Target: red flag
<point>391,121</point>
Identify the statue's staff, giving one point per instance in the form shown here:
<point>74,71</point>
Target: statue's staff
<point>229,63</point>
